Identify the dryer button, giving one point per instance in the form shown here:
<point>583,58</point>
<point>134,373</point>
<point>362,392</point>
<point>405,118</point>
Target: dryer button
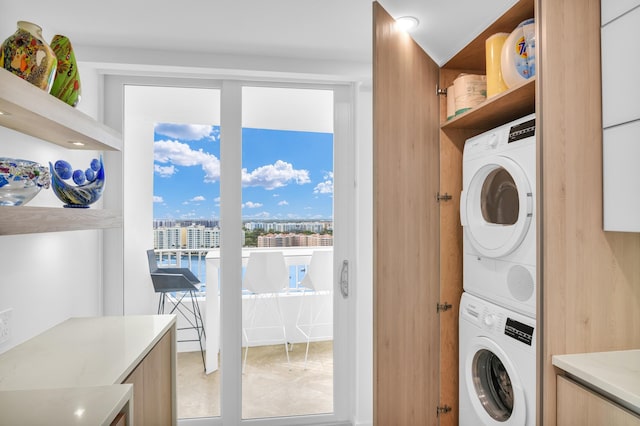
<point>493,141</point>
<point>490,320</point>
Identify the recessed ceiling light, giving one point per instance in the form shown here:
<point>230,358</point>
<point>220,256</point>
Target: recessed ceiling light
<point>76,143</point>
<point>407,23</point>
<point>4,113</point>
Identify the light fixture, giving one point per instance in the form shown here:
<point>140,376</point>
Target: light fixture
<point>76,143</point>
<point>407,23</point>
<point>4,113</point>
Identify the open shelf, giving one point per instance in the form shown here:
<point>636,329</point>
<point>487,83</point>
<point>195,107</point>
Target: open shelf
<point>29,220</point>
<point>32,111</point>
<point>502,108</point>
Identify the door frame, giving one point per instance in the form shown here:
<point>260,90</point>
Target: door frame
<point>116,275</point>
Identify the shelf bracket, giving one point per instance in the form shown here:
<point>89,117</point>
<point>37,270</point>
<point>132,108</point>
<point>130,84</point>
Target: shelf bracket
<point>440,91</point>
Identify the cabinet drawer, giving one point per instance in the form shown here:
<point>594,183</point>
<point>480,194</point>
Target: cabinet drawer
<point>620,88</point>
<point>611,9</point>
<point>577,405</point>
<point>621,177</point>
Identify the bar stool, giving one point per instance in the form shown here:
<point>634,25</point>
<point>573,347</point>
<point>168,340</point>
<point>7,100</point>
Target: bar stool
<point>182,283</point>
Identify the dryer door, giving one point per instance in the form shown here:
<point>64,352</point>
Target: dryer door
<point>494,387</point>
<point>496,207</point>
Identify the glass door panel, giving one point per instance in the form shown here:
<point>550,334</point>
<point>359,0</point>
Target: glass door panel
<point>186,227</point>
<point>287,254</point>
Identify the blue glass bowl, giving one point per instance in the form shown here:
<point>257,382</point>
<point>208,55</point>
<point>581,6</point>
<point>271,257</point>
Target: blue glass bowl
<point>88,188</point>
<point>21,180</point>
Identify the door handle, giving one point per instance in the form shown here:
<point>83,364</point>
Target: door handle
<point>344,279</point>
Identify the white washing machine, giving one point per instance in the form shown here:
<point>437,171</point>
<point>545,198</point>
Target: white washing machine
<point>497,365</point>
<point>498,215</point>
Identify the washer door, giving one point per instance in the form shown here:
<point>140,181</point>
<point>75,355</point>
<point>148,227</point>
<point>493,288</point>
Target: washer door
<point>496,207</point>
<point>494,388</point>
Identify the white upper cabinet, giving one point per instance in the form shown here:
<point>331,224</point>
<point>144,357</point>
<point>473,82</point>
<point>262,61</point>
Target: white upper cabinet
<point>621,177</point>
<point>611,9</point>
<point>620,64</point>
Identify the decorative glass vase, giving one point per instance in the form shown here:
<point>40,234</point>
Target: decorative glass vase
<point>28,56</point>
<point>89,183</point>
<point>21,180</point>
<point>66,85</point>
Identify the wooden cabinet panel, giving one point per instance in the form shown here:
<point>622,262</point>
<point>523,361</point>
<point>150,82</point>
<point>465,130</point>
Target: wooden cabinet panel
<point>579,406</point>
<point>152,382</point>
<point>406,234</point>
<point>590,279</point>
<point>157,384</point>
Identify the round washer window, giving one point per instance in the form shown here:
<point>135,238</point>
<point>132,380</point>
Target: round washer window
<point>493,385</point>
<point>499,197</point>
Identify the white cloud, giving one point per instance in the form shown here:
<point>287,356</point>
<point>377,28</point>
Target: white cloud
<point>197,198</point>
<point>261,215</point>
<point>275,175</point>
<point>190,132</point>
<point>166,171</point>
<point>181,154</point>
<point>325,187</point>
<point>251,205</point>
<point>216,200</point>
<point>158,199</point>
<point>283,203</point>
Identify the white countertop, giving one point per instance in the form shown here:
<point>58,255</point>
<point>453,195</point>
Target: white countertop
<point>71,406</point>
<point>72,373</point>
<point>615,373</point>
<point>80,352</point>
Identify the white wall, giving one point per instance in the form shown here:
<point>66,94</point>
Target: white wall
<point>48,278</point>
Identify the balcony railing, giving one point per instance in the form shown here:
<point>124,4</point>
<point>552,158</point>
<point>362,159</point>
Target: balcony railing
<point>296,258</point>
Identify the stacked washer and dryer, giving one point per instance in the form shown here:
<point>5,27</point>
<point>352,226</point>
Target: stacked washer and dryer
<point>497,362</point>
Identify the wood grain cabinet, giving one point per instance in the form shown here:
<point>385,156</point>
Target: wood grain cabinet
<point>152,386</point>
<point>32,111</point>
<point>579,406</point>
<point>584,274</point>
<point>417,238</point>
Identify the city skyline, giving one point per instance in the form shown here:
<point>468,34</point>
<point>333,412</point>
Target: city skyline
<point>286,175</point>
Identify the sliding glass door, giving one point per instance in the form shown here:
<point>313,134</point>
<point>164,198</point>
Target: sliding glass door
<point>264,216</point>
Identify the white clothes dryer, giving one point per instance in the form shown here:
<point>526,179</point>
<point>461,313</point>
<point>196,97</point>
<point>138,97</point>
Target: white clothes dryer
<point>497,382</point>
<point>498,215</point>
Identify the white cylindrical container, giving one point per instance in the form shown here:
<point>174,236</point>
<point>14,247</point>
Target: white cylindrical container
<point>470,90</point>
<point>519,46</point>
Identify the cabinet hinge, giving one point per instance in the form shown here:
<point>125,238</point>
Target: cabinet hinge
<point>442,409</point>
<point>440,91</point>
<point>443,197</point>
<point>441,307</point>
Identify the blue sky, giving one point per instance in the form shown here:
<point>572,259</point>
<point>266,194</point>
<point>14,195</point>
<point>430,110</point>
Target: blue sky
<point>285,174</point>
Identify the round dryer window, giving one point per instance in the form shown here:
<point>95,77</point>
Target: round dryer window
<point>496,207</point>
<point>494,387</point>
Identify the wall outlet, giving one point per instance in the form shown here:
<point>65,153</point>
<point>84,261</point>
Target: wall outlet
<point>5,325</point>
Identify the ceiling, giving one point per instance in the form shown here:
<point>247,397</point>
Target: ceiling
<point>320,30</point>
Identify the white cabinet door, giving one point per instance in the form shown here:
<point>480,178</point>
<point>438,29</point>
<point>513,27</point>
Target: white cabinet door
<point>611,9</point>
<point>621,177</point>
<point>620,62</point>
